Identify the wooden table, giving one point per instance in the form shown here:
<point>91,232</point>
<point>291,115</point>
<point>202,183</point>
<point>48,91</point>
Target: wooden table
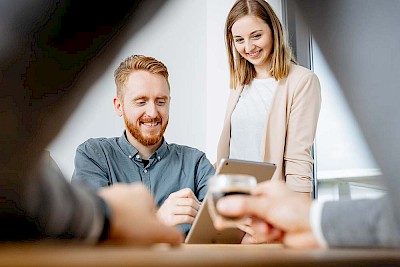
<point>56,254</point>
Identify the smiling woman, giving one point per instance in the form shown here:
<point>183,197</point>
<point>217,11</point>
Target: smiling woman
<point>253,41</point>
<point>274,104</point>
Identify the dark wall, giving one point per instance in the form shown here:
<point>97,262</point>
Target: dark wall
<point>360,40</point>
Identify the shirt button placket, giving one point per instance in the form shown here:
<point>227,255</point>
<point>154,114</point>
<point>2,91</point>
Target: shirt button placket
<point>146,179</point>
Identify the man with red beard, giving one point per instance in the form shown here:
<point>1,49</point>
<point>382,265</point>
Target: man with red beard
<point>176,175</point>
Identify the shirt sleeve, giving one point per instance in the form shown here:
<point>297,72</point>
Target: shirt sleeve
<point>89,167</point>
<point>204,170</point>
<point>315,219</point>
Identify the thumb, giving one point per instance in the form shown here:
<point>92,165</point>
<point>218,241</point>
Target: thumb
<point>243,206</point>
<point>184,192</point>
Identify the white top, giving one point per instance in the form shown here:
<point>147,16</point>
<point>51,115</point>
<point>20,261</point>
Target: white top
<point>249,118</point>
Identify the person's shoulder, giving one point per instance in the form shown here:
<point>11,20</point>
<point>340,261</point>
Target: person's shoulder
<point>297,70</point>
<point>300,74</point>
<point>185,150</point>
<point>99,142</point>
<point>191,157</point>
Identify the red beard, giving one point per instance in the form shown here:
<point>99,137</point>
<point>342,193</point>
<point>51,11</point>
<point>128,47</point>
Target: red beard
<point>137,134</point>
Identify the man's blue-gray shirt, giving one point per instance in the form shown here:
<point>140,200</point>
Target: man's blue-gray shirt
<point>102,162</point>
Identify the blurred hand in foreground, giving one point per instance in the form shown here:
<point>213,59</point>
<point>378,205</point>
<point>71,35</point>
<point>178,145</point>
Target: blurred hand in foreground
<point>133,216</point>
<point>278,213</point>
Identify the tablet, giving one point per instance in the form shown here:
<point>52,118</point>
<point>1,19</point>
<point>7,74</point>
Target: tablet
<point>263,171</point>
<point>203,231</point>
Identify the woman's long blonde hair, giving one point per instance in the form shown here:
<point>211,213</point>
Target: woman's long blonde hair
<point>241,71</point>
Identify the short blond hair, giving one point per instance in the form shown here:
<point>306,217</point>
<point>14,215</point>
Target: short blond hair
<point>137,62</point>
<point>241,71</point>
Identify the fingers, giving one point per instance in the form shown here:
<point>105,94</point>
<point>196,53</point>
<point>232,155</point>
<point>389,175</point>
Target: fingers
<point>179,219</point>
<point>183,206</point>
<point>256,204</point>
<point>247,239</point>
<point>243,206</point>
<point>269,188</point>
<point>246,228</point>
<point>215,165</point>
<point>305,239</point>
<point>190,202</point>
<point>274,203</point>
<point>179,214</point>
<point>184,193</point>
<point>179,207</point>
<point>273,234</point>
<point>184,210</point>
<point>260,232</point>
<point>219,224</point>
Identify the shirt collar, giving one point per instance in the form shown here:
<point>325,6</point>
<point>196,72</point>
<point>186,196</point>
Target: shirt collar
<point>162,150</point>
<point>132,152</point>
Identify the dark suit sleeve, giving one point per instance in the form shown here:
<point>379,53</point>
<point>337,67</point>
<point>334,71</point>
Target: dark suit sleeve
<point>50,208</point>
<point>360,223</point>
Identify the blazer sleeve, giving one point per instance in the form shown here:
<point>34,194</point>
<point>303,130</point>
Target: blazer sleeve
<point>302,125</point>
<point>225,138</point>
<point>360,223</point>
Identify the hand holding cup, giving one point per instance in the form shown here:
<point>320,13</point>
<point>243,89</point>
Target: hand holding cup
<point>220,186</point>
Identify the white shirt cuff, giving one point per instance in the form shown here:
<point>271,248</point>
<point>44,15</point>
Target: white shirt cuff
<point>315,219</point>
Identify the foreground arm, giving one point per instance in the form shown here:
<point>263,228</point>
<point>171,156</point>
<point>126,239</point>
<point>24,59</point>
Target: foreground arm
<point>51,208</point>
<point>47,206</point>
<point>133,216</point>
<point>361,223</point>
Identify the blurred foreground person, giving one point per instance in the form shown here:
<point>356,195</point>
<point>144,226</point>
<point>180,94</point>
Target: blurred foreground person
<point>46,49</point>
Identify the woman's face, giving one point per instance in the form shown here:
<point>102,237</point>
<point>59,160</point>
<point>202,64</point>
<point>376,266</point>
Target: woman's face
<point>253,40</point>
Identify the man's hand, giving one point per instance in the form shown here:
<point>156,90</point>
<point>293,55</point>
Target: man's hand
<point>280,214</point>
<point>180,207</point>
<point>133,217</point>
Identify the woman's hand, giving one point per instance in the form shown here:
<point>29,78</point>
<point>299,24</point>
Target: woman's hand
<point>258,231</point>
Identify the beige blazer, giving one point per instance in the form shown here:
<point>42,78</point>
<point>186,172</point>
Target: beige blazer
<point>289,130</point>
